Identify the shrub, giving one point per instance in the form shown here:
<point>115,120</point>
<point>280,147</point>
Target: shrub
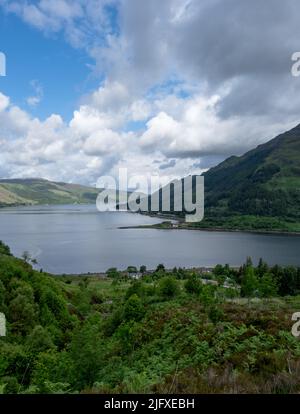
<point>215,314</point>
<point>113,273</point>
<point>168,287</point>
<point>207,295</point>
<point>268,286</point>
<point>250,283</point>
<point>133,308</point>
<point>132,269</point>
<point>4,249</point>
<point>160,268</point>
<point>193,285</point>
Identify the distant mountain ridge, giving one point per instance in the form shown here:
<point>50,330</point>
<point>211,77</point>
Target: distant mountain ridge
<point>31,191</point>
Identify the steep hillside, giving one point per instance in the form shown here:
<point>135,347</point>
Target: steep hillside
<point>259,190</point>
<point>264,181</point>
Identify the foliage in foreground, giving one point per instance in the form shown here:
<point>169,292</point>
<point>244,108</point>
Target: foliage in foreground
<point>167,332</point>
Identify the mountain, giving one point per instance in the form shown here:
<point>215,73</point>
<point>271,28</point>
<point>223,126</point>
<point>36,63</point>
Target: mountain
<point>259,190</point>
<point>261,186</point>
<point>39,191</point>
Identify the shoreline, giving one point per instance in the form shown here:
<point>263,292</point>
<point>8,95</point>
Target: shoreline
<point>173,220</point>
<point>213,229</point>
<point>180,225</point>
<point>103,275</point>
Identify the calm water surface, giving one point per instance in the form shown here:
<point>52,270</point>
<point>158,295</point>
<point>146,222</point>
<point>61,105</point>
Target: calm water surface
<point>78,239</point>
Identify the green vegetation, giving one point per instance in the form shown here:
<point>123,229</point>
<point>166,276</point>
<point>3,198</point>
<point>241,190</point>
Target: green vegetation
<point>169,331</point>
<point>260,190</point>
<point>16,192</point>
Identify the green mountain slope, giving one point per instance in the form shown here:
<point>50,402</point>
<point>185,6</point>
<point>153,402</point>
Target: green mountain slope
<point>259,190</point>
<point>262,186</point>
<point>39,191</point>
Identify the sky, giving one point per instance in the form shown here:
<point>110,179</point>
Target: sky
<point>168,87</point>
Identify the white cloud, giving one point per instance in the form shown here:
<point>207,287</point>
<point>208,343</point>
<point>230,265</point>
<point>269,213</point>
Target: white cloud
<point>38,93</point>
<point>174,90</point>
<point>81,21</point>
<point>4,102</point>
<point>93,144</point>
<point>101,143</point>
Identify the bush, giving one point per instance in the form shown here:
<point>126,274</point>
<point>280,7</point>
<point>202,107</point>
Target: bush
<point>4,249</point>
<point>207,295</point>
<point>168,287</point>
<point>133,308</point>
<point>193,285</point>
<point>113,273</point>
<point>250,283</point>
<point>132,269</point>
<point>160,268</point>
<point>215,314</point>
<point>137,287</point>
<point>268,286</point>
<point>11,385</point>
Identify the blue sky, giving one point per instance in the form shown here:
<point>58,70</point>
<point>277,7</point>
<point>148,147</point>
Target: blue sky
<point>62,71</point>
<point>93,86</point>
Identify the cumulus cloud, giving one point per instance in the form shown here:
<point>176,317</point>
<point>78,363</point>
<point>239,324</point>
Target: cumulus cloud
<point>92,144</point>
<point>184,82</point>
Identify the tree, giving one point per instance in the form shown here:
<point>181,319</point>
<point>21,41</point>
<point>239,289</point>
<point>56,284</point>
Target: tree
<point>168,287</point>
<point>262,268</point>
<point>193,284</point>
<point>143,269</point>
<point>28,258</point>
<point>22,313</point>
<point>218,270</point>
<point>4,249</point>
<point>268,286</point>
<point>113,273</point>
<point>87,351</point>
<point>160,268</point>
<point>207,295</point>
<point>133,308</point>
<point>39,340</point>
<point>249,262</point>
<point>289,281</point>
<point>131,269</point>
<point>250,284</point>
<point>136,287</point>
